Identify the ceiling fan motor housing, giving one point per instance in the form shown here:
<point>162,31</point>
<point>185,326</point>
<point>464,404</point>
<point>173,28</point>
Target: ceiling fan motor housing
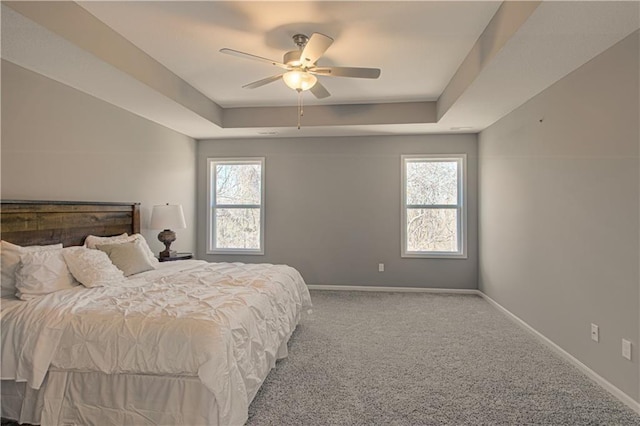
<point>292,58</point>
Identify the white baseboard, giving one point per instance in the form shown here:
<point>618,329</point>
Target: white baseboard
<point>626,399</point>
<point>391,289</point>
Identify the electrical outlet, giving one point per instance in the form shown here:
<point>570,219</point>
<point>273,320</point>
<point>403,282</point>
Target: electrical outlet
<point>626,349</point>
<point>595,333</point>
<point>380,267</point>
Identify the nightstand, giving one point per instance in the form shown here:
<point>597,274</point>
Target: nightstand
<point>177,256</point>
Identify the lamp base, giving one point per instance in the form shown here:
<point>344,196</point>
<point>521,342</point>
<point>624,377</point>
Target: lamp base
<point>166,237</point>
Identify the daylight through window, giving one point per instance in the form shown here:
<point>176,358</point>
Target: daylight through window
<point>236,200</point>
<point>433,223</point>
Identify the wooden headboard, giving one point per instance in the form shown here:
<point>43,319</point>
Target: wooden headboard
<point>67,222</point>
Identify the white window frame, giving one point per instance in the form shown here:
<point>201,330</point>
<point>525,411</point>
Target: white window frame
<point>212,205</point>
<point>461,204</point>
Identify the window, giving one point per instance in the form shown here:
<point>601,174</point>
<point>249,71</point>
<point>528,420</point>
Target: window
<point>236,206</point>
<point>433,211</point>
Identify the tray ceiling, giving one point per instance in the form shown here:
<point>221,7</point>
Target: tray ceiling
<point>446,66</point>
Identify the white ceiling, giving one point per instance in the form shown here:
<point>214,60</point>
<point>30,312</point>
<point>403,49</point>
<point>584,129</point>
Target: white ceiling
<point>408,41</point>
<point>172,72</point>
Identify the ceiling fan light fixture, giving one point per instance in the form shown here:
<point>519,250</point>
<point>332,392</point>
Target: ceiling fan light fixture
<point>299,80</point>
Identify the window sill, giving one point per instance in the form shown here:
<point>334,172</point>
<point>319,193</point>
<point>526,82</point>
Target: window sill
<point>434,256</point>
<point>237,252</point>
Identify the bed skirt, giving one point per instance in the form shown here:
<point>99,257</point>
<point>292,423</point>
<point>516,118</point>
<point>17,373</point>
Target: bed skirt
<point>94,398</point>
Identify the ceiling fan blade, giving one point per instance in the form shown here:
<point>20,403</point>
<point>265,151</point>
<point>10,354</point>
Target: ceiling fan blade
<point>315,47</point>
<point>262,82</point>
<point>253,57</point>
<point>319,91</point>
<point>346,72</point>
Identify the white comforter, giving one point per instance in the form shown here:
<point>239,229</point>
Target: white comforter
<point>221,322</point>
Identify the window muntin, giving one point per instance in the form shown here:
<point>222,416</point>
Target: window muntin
<point>236,206</point>
<point>433,213</point>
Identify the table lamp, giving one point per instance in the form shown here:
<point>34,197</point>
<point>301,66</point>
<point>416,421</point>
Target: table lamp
<point>165,217</point>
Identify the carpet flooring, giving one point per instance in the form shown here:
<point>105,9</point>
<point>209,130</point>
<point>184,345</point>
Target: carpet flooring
<point>424,359</point>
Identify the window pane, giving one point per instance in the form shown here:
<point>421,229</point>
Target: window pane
<point>238,228</point>
<point>432,182</point>
<point>432,230</point>
<point>238,183</point>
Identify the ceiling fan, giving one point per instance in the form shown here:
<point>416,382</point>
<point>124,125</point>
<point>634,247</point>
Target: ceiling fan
<point>301,68</point>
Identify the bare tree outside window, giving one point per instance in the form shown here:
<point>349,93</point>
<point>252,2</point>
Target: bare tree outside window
<point>236,201</point>
<point>432,205</point>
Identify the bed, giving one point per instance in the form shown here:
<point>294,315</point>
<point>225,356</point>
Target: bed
<point>185,342</point>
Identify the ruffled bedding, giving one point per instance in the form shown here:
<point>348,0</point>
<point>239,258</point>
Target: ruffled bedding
<point>224,323</point>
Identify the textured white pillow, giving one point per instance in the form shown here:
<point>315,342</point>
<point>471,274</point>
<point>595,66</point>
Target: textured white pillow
<point>129,257</point>
<point>42,272</point>
<point>10,255</point>
<point>92,268</point>
<point>92,240</point>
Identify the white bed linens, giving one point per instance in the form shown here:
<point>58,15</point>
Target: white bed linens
<point>221,322</point>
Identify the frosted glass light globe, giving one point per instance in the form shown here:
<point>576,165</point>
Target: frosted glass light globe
<point>299,80</point>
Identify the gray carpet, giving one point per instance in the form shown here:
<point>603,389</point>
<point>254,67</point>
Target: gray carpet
<point>424,359</point>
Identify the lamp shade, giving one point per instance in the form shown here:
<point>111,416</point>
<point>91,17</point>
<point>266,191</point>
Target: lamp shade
<point>299,80</point>
<point>167,216</point>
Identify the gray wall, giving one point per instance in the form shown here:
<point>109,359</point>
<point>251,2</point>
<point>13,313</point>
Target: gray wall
<point>559,213</point>
<point>333,208</point>
<point>61,144</point>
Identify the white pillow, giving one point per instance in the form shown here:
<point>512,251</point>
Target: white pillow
<point>43,272</point>
<point>92,240</point>
<point>92,268</point>
<point>10,255</point>
<point>145,246</point>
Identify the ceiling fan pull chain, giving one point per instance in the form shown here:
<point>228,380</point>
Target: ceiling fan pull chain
<point>299,107</point>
